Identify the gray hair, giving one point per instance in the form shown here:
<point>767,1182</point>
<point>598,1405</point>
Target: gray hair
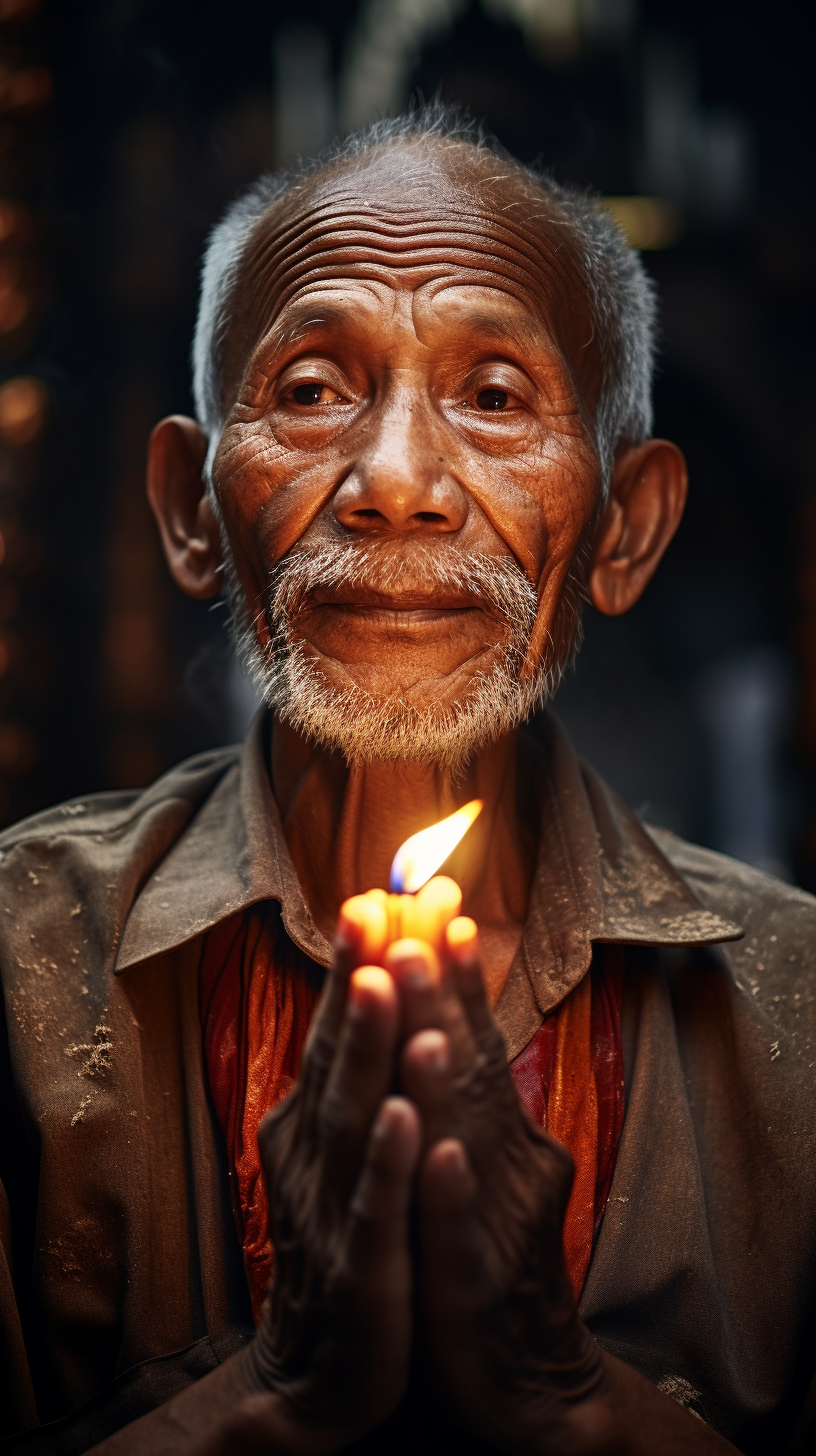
<point>620,293</point>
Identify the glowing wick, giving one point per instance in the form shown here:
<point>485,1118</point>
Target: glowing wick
<point>421,855</point>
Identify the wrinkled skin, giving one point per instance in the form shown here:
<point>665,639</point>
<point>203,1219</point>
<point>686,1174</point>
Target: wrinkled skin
<point>497,1318</point>
<point>339,1157</point>
<point>482,1293</point>
<point>411,360</point>
<point>404,352</point>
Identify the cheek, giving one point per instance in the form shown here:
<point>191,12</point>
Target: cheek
<point>269,493</point>
<point>539,502</point>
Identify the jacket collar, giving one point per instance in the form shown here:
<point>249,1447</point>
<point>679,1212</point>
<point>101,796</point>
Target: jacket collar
<point>599,877</point>
<point>232,855</point>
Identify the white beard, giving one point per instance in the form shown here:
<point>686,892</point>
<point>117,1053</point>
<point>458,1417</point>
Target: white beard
<point>364,727</point>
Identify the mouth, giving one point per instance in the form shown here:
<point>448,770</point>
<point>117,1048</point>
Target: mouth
<point>403,612</point>
<point>360,598</point>
<point>398,619</point>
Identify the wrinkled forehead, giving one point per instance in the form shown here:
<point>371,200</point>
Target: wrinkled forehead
<point>406,218</point>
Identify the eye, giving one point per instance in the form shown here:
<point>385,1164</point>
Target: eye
<point>492,399</point>
<point>315,393</point>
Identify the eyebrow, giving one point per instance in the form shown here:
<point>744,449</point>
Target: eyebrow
<point>524,330</point>
<point>302,319</point>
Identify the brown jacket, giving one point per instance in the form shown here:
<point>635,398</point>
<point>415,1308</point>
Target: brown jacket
<point>120,1272</point>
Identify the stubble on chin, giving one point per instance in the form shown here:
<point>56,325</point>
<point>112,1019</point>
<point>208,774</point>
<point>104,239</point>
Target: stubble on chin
<point>446,729</point>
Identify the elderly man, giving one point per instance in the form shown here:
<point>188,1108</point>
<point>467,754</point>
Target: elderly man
<point>559,1199</point>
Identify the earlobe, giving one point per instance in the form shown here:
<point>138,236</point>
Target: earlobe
<point>645,507</point>
<point>186,519</point>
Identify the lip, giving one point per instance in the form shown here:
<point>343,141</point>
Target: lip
<point>364,600</point>
<point>402,618</point>
<point>358,611</point>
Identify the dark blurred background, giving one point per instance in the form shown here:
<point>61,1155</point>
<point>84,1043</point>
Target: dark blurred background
<point>125,127</point>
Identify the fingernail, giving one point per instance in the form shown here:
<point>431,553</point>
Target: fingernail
<point>454,1156</point>
<point>369,985</point>
<point>413,963</point>
<point>434,1050</point>
<point>415,975</point>
<point>392,1111</point>
<point>462,936</point>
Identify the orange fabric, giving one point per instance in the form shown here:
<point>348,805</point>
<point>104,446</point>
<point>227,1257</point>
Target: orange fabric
<point>257,996</point>
<point>572,1118</point>
<point>257,1007</point>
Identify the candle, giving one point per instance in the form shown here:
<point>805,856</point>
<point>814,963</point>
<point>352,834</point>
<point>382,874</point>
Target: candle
<point>421,906</point>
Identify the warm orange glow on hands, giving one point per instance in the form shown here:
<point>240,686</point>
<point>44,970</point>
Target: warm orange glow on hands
<point>370,984</point>
<point>426,914</point>
<point>363,925</point>
<point>462,936</point>
<point>412,962</point>
<point>371,923</point>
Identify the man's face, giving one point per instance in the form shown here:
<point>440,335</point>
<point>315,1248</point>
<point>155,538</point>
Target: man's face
<point>410,436</point>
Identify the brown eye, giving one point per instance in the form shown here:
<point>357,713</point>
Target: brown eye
<point>491,399</point>
<point>309,393</point>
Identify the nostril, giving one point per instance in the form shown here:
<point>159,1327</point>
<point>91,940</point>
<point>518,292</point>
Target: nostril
<point>433,518</point>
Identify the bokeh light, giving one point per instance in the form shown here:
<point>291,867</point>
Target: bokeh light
<point>26,90</point>
<point>12,216</point>
<point>646,222</point>
<point>23,403</point>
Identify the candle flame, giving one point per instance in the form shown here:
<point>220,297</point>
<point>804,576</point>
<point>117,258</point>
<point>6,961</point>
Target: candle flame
<point>421,855</point>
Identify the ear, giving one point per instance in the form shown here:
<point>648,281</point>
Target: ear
<point>182,507</point>
<point>645,506</point>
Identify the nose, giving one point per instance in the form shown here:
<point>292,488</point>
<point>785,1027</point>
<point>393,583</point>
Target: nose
<point>400,481</point>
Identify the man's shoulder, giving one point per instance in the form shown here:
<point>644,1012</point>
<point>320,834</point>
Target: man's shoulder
<point>75,869</point>
<point>111,814</point>
<point>739,890</point>
<point>776,957</point>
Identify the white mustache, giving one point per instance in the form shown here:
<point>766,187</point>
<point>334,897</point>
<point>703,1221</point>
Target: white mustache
<point>365,728</point>
<point>496,581</point>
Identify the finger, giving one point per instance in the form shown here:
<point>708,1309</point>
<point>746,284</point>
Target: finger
<point>415,969</point>
<point>359,939</point>
<point>464,972</point>
<point>428,1081</point>
<point>377,1230</point>
<point>360,1075</point>
<point>463,965</point>
<point>450,1231</point>
<point>363,924</point>
<point>321,1041</point>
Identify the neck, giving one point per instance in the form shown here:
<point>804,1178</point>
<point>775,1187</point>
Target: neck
<point>343,826</point>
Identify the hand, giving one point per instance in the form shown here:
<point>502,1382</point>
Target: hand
<point>503,1345</point>
<point>339,1156</point>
